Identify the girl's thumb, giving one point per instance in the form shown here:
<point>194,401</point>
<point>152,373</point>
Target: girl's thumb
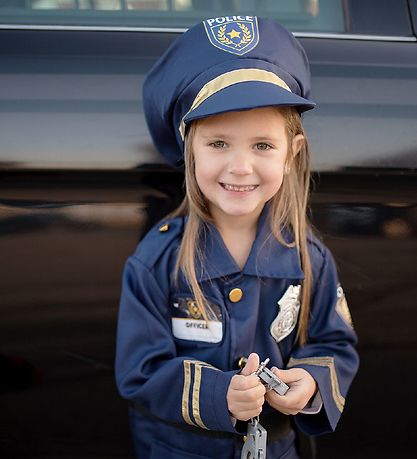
<point>252,364</point>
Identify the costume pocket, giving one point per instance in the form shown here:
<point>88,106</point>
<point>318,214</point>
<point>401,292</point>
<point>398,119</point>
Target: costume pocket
<point>188,323</point>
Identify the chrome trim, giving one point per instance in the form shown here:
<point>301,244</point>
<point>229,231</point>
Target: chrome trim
<point>334,36</point>
<point>346,36</point>
<point>92,28</point>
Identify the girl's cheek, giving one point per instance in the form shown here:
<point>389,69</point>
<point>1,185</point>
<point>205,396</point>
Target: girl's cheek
<point>274,171</point>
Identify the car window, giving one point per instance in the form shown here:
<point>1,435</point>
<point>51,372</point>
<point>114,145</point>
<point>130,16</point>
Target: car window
<point>379,17</point>
<point>297,15</point>
<point>413,10</point>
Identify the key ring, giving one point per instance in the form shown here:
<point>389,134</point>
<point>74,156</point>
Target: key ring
<point>255,444</point>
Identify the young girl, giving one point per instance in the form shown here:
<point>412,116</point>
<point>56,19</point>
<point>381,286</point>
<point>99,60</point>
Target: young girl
<point>236,271</point>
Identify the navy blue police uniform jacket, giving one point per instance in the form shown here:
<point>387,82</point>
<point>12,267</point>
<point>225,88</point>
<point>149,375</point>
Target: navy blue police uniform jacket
<point>175,367</point>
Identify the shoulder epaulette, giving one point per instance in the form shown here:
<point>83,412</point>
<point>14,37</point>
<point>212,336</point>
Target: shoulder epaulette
<point>318,251</point>
<point>158,239</point>
<point>316,244</point>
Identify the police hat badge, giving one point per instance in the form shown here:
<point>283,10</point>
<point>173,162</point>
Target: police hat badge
<point>287,317</point>
<point>234,34</point>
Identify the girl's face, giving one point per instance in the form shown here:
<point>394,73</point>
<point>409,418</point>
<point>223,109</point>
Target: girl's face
<point>240,159</point>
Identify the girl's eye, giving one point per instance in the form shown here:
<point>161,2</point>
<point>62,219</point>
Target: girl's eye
<point>262,146</point>
<point>218,144</point>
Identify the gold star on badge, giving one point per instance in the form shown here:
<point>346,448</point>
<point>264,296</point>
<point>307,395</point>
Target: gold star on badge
<point>234,33</point>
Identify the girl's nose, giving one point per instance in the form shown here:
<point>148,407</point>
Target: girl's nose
<point>240,164</point>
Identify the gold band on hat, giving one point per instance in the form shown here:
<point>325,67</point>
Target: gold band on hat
<point>228,79</point>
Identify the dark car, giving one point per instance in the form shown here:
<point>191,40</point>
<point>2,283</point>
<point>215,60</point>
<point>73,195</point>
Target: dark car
<point>80,183</point>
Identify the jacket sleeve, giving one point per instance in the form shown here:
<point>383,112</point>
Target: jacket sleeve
<point>148,371</point>
<point>329,355</point>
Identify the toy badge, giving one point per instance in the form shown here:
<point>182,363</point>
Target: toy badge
<point>233,34</point>
<point>287,317</point>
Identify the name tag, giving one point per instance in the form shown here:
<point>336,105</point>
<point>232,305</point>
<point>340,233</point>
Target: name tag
<point>189,324</point>
<point>197,330</point>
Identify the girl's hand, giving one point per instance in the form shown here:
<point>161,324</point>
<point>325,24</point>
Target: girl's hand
<point>302,388</point>
<point>246,394</point>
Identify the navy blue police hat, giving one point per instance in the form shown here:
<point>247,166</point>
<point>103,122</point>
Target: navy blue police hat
<point>223,64</point>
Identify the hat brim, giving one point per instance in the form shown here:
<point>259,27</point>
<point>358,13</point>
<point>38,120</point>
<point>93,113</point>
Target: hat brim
<point>246,96</point>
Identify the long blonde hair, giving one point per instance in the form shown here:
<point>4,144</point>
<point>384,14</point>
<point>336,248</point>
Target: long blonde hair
<point>288,210</point>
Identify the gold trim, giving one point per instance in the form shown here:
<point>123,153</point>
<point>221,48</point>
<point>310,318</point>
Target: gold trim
<point>228,79</point>
<point>204,364</point>
<point>196,390</point>
<point>186,393</point>
<point>196,396</point>
<point>164,228</point>
<point>242,362</point>
<point>328,362</point>
<point>198,365</point>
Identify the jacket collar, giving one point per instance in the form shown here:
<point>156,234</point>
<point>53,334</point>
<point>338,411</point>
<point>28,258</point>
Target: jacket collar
<point>267,258</point>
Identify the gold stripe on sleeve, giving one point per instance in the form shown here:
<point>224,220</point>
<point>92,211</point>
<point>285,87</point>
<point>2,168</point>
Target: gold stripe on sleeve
<point>196,396</point>
<point>198,366</point>
<point>328,362</point>
<point>186,393</point>
<point>204,364</point>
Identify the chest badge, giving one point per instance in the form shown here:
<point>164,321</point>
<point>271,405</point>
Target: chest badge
<point>286,320</point>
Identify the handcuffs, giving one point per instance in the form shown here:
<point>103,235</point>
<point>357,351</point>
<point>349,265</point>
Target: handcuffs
<point>255,443</point>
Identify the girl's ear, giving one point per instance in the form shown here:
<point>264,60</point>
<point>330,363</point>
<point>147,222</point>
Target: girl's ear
<point>297,144</point>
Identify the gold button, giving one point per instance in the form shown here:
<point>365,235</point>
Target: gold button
<point>244,438</point>
<point>163,228</point>
<point>242,362</point>
<point>235,295</point>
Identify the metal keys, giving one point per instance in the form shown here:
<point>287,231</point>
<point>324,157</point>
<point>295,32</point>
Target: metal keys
<point>255,444</point>
<point>269,380</point>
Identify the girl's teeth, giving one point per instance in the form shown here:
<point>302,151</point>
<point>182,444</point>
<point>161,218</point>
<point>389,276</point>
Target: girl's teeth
<point>239,188</point>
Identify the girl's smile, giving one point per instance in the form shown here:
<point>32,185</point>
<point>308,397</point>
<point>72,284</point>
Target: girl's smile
<point>238,188</point>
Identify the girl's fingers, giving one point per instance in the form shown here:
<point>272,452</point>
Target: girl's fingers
<point>288,376</point>
<point>246,394</point>
<point>247,406</point>
<point>252,364</point>
<point>291,403</point>
<point>249,397</point>
<point>245,383</point>
<point>254,398</point>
